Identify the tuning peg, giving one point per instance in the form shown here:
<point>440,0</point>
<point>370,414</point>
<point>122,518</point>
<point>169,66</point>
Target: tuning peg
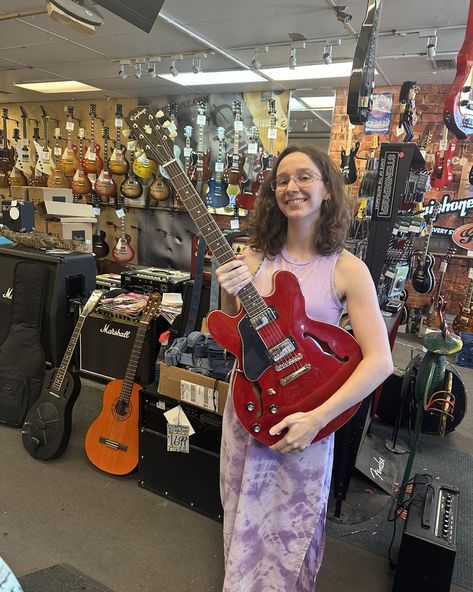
<point>160,114</point>
<point>172,134</point>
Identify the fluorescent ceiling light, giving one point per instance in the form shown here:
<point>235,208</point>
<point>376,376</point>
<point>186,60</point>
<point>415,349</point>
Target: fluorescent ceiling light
<point>335,70</point>
<point>63,86</point>
<point>316,103</point>
<point>224,77</point>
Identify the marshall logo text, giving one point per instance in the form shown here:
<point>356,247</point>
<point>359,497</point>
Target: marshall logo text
<point>8,294</point>
<point>116,332</point>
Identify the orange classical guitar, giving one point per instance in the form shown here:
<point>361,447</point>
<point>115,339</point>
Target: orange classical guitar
<point>111,442</point>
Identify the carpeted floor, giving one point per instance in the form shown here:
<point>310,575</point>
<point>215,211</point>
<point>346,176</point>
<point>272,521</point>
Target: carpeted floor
<point>60,578</point>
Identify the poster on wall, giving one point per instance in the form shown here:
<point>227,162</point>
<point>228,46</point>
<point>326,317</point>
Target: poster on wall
<point>379,119</point>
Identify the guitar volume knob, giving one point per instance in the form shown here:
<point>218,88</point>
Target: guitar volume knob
<point>273,408</point>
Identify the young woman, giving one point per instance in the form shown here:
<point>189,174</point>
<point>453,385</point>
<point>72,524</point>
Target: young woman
<point>275,498</point>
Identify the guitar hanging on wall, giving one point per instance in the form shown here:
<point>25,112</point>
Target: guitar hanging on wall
<point>117,163</point>
<point>57,178</point>
<point>131,186</point>
<point>80,183</point>
<point>347,159</point>
<point>423,278</point>
<point>361,86</point>
<point>47,427</point>
<point>217,196</point>
<point>458,102</point>
<point>442,174</point>
<point>92,162</point>
<point>17,177</point>
<point>438,304</point>
<point>24,161</point>
<point>69,160</point>
<point>123,251</point>
<point>267,157</point>
<point>463,322</point>
<point>105,185</point>
<point>407,108</point>
<point>249,188</point>
<point>111,442</point>
<point>289,362</point>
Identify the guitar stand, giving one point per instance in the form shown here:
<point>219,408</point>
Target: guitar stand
<point>396,445</point>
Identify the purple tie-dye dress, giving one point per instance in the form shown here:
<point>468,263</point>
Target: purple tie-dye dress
<point>274,503</point>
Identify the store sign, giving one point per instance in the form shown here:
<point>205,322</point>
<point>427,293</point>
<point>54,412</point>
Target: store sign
<point>387,179</point>
<point>449,205</point>
<point>463,237</point>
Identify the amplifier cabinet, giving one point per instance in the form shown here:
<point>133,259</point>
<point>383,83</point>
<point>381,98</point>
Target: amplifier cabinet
<point>106,342</point>
<point>70,276</point>
<point>189,479</point>
<point>18,215</point>
<point>427,552</point>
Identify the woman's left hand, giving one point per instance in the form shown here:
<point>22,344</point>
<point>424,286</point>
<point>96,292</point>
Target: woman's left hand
<point>301,430</point>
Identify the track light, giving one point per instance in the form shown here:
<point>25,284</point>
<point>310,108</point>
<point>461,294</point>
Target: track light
<point>327,55</point>
<point>122,72</point>
<point>138,71</point>
<point>152,69</point>
<point>173,69</point>
<point>431,47</point>
<point>196,64</point>
<point>255,63</point>
<point>292,59</point>
<point>342,16</point>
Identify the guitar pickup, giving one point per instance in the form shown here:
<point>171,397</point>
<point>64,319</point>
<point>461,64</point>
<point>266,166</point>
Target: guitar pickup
<point>267,316</point>
<point>468,122</point>
<point>282,349</point>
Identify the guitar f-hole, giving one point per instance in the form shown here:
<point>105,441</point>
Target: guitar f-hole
<point>326,349</point>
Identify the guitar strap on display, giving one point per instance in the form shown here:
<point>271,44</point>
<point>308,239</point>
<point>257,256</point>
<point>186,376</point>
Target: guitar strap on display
<point>196,288</point>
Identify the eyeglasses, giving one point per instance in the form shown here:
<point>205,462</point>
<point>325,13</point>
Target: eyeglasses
<point>301,180</point>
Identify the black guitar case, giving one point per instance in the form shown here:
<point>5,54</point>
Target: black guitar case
<point>22,359</point>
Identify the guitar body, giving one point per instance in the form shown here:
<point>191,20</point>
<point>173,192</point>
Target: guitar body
<point>144,167</point>
<point>442,174</point>
<point>104,185</point>
<point>234,174</point>
<point>423,278</point>
<point>361,86</point>
<point>117,163</point>
<point>92,165</point>
<point>463,322</point>
<point>70,161</point>
<point>7,159</point>
<point>330,353</point>
<point>159,189</point>
<point>131,187</point>
<point>17,178</point>
<point>247,197</point>
<point>217,196</point>
<point>99,245</point>
<point>58,179</point>
<point>47,427</point>
<point>81,184</point>
<point>123,252</point>
<point>111,442</point>
<point>348,164</point>
<point>38,179</point>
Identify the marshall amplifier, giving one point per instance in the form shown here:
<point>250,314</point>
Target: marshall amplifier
<point>190,479</point>
<point>70,276</point>
<point>18,215</point>
<point>153,279</point>
<point>428,549</point>
<point>106,342</point>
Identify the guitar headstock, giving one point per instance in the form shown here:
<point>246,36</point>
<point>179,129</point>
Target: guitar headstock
<point>188,132</point>
<point>16,134</point>
<point>119,110</point>
<point>151,133</point>
<point>70,112</point>
<point>236,109</point>
<point>93,110</point>
<point>151,308</point>
<point>92,302</point>
<point>271,107</point>
<point>220,134</point>
<point>201,107</point>
<point>24,114</point>
<point>4,113</point>
<point>449,254</point>
<point>172,111</point>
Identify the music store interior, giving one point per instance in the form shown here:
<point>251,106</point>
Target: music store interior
<point>134,140</point>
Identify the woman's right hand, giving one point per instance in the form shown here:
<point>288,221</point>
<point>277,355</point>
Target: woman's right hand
<point>233,276</point>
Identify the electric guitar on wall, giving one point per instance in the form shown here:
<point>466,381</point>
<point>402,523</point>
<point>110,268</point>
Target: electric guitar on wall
<point>423,278</point>
<point>47,427</point>
<point>442,175</point>
<point>111,442</point>
<point>44,162</point>
<point>407,108</point>
<point>92,162</point>
<point>288,362</point>
<point>217,196</point>
<point>458,102</point>
<point>347,159</point>
<point>438,303</point>
<point>57,177</point>
<point>249,188</point>
<point>361,87</point>
<point>123,251</point>
<point>200,171</point>
<point>105,185</point>
<point>463,322</point>
<point>17,177</point>
<point>267,157</point>
<point>69,160</point>
<point>100,246</point>
<point>37,178</point>
<point>7,153</point>
<point>23,161</point>
<point>81,184</point>
<point>131,186</point>
<point>118,164</point>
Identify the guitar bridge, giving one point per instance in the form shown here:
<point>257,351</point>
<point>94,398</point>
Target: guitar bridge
<point>113,444</point>
<point>267,316</point>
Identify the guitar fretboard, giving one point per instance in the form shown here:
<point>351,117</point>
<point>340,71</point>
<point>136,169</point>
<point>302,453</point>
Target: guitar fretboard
<point>56,386</point>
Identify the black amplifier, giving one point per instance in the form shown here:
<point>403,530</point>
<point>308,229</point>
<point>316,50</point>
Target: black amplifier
<point>154,279</point>
<point>18,215</point>
<point>427,553</point>
<point>70,276</point>
<point>106,341</point>
<point>190,479</point>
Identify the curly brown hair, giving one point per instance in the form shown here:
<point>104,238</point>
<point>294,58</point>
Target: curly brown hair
<point>268,227</point>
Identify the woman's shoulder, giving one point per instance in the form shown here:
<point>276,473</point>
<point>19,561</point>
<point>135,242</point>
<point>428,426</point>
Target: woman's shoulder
<point>349,263</point>
<point>350,271</point>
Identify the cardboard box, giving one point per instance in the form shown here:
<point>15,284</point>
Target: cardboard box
<point>40,224</point>
<point>202,391</point>
<point>53,209</point>
<point>60,195</point>
<point>81,231</point>
<point>18,192</point>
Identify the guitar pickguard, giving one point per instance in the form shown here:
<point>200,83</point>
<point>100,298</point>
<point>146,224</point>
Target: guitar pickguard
<point>254,353</point>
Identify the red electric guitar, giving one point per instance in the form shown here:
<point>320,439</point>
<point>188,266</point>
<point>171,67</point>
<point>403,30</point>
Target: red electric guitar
<point>123,251</point>
<point>442,175</point>
<point>287,362</point>
<point>458,102</point>
<point>249,188</point>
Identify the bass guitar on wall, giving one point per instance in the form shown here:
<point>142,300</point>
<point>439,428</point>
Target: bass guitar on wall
<point>286,361</point>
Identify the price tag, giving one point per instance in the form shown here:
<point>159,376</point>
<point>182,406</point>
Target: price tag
<point>90,155</point>
<point>131,146</point>
<point>389,273</point>
<point>177,438</point>
<point>252,148</point>
<point>45,156</point>
<point>443,145</point>
<point>272,133</point>
<point>96,212</point>
<point>57,151</point>
<point>234,224</point>
<point>118,122</point>
<point>219,167</point>
<point>70,126</point>
<point>399,131</point>
<point>120,213</point>
<point>238,125</point>
<point>201,119</point>
<point>187,151</point>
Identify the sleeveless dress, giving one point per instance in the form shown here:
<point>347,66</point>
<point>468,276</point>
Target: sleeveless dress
<point>274,503</point>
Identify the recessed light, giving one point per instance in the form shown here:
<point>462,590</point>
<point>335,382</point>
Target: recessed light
<point>62,86</point>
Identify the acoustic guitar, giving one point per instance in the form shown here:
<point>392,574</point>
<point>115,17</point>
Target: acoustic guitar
<point>458,102</point>
<point>111,442</point>
<point>69,160</point>
<point>47,427</point>
<point>286,362</point>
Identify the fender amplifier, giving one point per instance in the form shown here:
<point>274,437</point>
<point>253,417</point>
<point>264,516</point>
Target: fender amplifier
<point>427,553</point>
<point>106,342</point>
<point>188,479</point>
<point>71,276</point>
<point>18,215</point>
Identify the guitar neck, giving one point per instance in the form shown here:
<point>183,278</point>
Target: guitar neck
<point>426,249</point>
<point>66,360</point>
<point>469,296</point>
<point>132,366</point>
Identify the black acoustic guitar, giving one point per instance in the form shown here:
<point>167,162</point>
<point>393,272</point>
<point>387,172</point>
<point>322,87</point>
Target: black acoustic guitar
<point>361,87</point>
<point>47,426</point>
<point>423,278</point>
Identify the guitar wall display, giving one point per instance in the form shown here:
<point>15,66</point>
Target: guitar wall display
<point>111,442</point>
<point>274,380</point>
<point>458,102</point>
<point>47,427</point>
<point>423,278</point>
<point>463,322</point>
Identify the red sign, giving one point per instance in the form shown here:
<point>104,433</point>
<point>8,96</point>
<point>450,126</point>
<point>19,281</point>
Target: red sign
<point>463,236</point>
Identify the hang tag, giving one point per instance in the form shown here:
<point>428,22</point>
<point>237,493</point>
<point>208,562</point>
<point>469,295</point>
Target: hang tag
<point>219,167</point>
<point>96,212</point>
<point>234,224</point>
<point>25,142</point>
<point>57,151</point>
<point>131,146</point>
<point>238,125</point>
<point>118,122</point>
<point>120,213</point>
<point>69,126</point>
<point>201,119</point>
<point>443,145</point>
<point>177,438</point>
<point>470,273</point>
<point>272,133</point>
<point>187,151</point>
<point>252,148</point>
